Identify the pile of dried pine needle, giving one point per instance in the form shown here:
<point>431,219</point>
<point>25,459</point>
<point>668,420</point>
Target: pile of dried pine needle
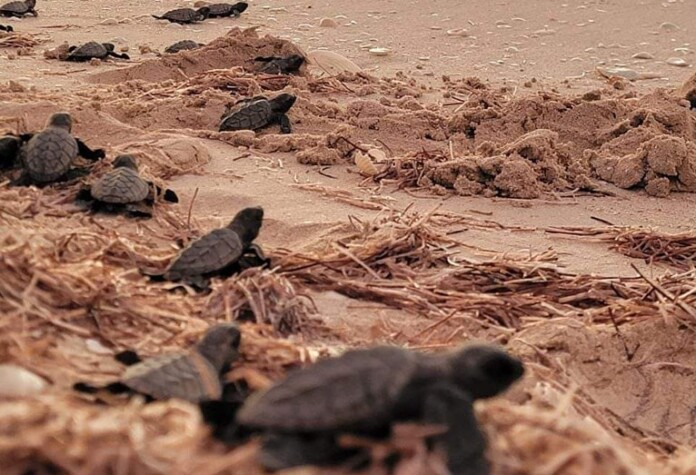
<point>410,262</point>
<point>676,250</point>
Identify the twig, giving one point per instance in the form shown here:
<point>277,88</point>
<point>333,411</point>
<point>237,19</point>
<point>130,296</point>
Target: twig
<point>190,210</point>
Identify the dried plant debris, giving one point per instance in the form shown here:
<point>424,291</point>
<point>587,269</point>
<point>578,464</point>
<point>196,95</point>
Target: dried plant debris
<point>676,250</point>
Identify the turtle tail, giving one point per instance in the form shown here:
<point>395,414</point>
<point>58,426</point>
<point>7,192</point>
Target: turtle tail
<point>158,17</point>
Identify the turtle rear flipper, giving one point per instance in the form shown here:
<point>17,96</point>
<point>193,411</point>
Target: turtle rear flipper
<point>463,441</point>
<point>118,55</point>
<point>84,198</point>
<point>198,282</point>
<point>139,210</point>
<point>113,388</point>
<point>166,194</point>
<point>84,151</point>
<point>283,451</point>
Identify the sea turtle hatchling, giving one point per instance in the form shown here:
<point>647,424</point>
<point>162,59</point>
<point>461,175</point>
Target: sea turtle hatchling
<point>218,10</point>
<point>221,252</point>
<point>185,15</point>
<point>93,49</point>
<point>49,154</point>
<point>258,112</point>
<point>364,391</point>
<point>7,28</point>
<point>193,375</point>
<point>278,64</point>
<point>19,9</point>
<point>122,189</point>
<point>183,45</point>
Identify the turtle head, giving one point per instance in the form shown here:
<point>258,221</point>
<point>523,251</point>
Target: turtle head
<point>282,102</point>
<point>247,224</point>
<point>295,61</point>
<point>30,3</point>
<point>483,370</point>
<point>204,12</point>
<point>125,161</point>
<point>109,47</point>
<point>220,345</point>
<point>62,120</point>
<point>240,7</point>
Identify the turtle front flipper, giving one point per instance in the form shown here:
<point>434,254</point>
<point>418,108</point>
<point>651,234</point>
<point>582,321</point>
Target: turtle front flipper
<point>253,257</point>
<point>284,121</point>
<point>198,282</point>
<point>84,198</point>
<point>84,151</point>
<point>128,357</point>
<point>464,442</point>
<point>22,180</point>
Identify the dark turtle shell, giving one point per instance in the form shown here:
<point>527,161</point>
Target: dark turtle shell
<point>211,253</point>
<point>182,45</point>
<point>120,186</point>
<point>187,376</point>
<point>49,154</point>
<point>249,114</point>
<point>89,50</point>
<point>182,15</point>
<point>18,7</point>
<point>357,389</point>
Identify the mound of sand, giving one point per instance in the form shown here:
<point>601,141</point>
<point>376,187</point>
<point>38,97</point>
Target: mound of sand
<point>236,49</point>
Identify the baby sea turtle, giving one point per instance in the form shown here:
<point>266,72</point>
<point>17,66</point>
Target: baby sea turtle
<point>365,391</point>
<point>193,375</point>
<point>7,28</point>
<point>185,15</point>
<point>122,189</point>
<point>258,112</point>
<point>227,9</point>
<point>182,45</point>
<point>91,50</point>
<point>19,9</point>
<point>221,252</point>
<point>50,153</point>
<point>279,65</point>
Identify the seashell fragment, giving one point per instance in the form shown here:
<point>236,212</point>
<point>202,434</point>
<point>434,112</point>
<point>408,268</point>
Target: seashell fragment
<point>16,381</point>
<point>365,164</point>
<point>379,51</point>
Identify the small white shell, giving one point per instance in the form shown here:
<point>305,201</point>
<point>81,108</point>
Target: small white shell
<point>377,155</point>
<point>365,164</point>
<point>16,381</point>
<point>458,32</point>
<point>379,51</point>
<point>332,63</point>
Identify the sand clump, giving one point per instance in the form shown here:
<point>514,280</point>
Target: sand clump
<point>531,165</point>
<point>237,48</point>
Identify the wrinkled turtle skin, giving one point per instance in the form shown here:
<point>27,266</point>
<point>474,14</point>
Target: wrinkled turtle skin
<point>93,49</point>
<point>123,189</point>
<point>365,391</point>
<point>218,10</point>
<point>192,376</point>
<point>279,65</point>
<point>258,112</point>
<point>19,9</point>
<point>50,153</point>
<point>185,15</point>
<point>218,251</point>
<point>183,45</point>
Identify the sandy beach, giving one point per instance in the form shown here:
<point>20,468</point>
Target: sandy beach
<point>520,173</point>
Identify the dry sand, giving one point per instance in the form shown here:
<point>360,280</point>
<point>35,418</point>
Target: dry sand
<point>536,163</point>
